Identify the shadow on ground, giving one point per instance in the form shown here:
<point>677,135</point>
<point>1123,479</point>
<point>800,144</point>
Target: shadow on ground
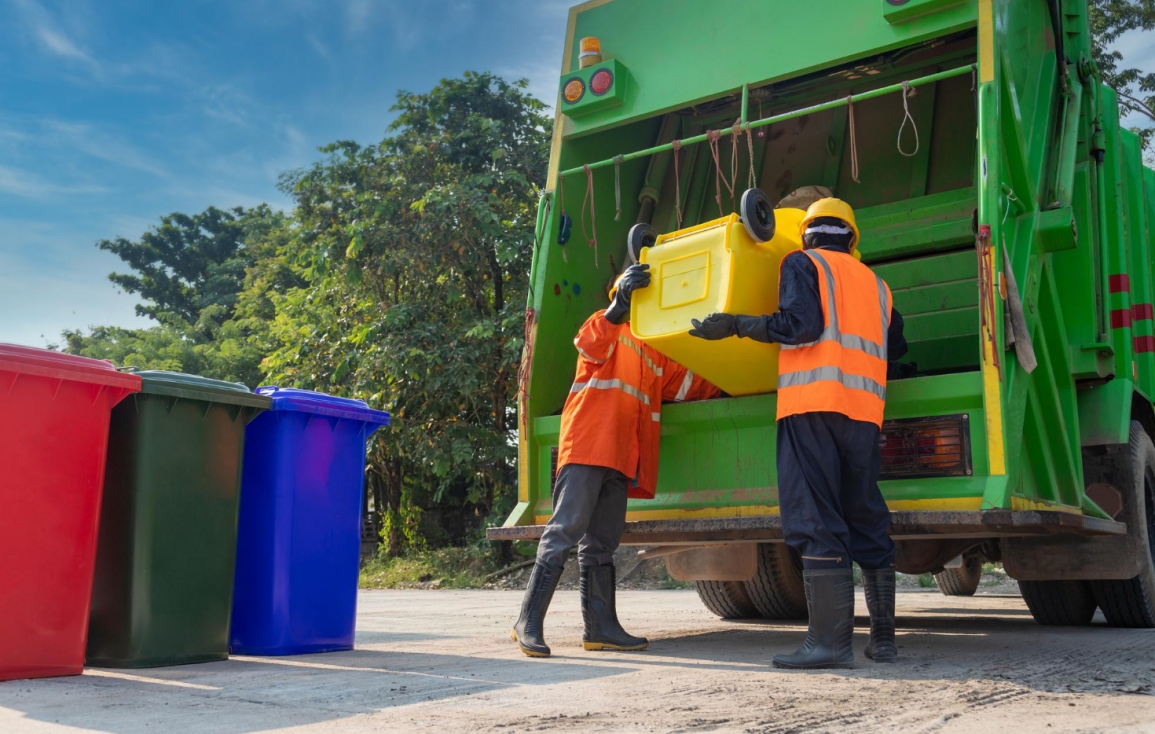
<point>245,694</point>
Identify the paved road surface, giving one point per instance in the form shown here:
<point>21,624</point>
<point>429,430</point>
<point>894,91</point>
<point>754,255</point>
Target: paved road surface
<point>442,661</point>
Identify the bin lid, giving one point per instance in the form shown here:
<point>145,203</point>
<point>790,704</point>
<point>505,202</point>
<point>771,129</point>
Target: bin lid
<point>47,363</point>
<point>195,387</point>
<point>308,401</point>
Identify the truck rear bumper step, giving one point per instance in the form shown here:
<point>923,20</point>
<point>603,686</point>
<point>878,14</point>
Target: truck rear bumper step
<point>905,524</point>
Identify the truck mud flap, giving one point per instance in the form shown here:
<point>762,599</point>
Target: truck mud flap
<point>1107,473</point>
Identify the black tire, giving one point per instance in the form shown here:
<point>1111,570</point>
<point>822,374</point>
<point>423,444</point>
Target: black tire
<point>641,236</point>
<point>757,215</point>
<point>962,581</point>
<point>727,599</point>
<point>777,590</point>
<point>1059,603</point>
<point>1131,602</point>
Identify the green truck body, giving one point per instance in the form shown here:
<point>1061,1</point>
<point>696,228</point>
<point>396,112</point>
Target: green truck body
<point>987,168</point>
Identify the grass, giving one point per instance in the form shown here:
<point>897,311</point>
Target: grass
<point>446,568</point>
<point>926,581</point>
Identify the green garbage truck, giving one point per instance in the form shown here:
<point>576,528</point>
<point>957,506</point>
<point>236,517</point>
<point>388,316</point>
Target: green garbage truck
<point>996,193</point>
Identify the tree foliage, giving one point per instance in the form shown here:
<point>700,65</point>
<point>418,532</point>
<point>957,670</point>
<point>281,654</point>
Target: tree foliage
<point>419,247</point>
<point>216,324</point>
<point>400,278</point>
<point>1110,19</point>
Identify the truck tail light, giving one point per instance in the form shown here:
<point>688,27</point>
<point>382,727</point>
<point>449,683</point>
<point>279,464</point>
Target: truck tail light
<point>926,447</point>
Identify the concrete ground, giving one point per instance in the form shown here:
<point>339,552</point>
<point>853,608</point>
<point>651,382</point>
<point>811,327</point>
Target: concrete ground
<point>442,661</point>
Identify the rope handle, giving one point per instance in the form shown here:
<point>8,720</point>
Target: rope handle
<point>618,159</point>
<point>589,198</point>
<point>913,124</point>
<point>752,178</point>
<point>713,137</point>
<point>735,135</point>
<point>853,140</point>
<point>677,147</point>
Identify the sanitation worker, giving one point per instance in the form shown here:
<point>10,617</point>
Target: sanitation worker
<point>608,451</point>
<point>837,327</point>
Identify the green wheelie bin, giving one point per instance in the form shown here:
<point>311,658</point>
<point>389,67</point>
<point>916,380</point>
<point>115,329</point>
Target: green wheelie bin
<point>166,551</point>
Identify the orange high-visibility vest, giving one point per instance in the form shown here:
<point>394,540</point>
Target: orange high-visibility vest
<point>613,414</point>
<point>844,371</point>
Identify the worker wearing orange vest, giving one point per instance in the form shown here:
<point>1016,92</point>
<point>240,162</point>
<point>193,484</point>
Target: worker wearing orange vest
<point>838,329</point>
<point>607,451</point>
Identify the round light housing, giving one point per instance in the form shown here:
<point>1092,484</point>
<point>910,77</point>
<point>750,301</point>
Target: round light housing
<point>573,90</point>
<point>601,82</point>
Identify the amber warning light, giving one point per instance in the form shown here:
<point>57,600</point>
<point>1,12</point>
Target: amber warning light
<point>590,53</point>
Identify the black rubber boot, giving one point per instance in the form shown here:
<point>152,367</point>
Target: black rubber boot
<point>879,585</point>
<point>528,632</point>
<point>600,612</point>
<point>830,599</point>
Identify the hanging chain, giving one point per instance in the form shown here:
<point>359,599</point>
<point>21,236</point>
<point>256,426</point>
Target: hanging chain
<point>677,146</point>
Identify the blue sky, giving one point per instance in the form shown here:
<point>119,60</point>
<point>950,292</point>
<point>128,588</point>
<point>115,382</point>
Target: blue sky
<point>115,112</point>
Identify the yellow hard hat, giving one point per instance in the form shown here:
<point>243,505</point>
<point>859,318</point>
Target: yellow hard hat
<point>831,207</point>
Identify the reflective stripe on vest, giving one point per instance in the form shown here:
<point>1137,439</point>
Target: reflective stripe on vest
<point>875,352</point>
<point>614,384</point>
<point>832,333</point>
<point>649,362</point>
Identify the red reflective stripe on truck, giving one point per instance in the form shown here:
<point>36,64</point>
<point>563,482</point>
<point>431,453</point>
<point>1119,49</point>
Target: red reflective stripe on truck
<point>1144,344</point>
<point>1120,318</point>
<point>1118,283</point>
<point>1141,312</point>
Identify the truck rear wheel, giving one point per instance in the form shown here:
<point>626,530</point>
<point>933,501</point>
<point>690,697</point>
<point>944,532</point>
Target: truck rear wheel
<point>777,590</point>
<point>1131,602</point>
<point>1059,603</point>
<point>727,599</point>
<point>961,581</point>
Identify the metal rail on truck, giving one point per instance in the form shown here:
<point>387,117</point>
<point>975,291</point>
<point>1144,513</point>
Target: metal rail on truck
<point>745,125</point>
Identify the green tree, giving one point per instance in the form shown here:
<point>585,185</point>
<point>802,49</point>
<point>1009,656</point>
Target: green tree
<point>215,325</point>
<point>1110,19</point>
<point>189,262</point>
<point>417,251</point>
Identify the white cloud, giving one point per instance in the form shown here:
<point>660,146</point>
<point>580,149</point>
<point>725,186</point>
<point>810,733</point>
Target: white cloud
<point>25,184</point>
<point>51,37</point>
<point>103,146</point>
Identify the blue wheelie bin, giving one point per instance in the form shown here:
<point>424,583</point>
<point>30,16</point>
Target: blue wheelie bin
<point>299,534</point>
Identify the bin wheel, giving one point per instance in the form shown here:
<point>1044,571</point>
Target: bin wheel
<point>963,581</point>
<point>727,599</point>
<point>1059,603</point>
<point>757,215</point>
<point>777,589</point>
<point>641,236</point>
<point>1131,602</point>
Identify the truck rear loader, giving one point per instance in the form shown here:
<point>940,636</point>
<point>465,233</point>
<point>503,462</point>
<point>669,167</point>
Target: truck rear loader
<point>996,193</point>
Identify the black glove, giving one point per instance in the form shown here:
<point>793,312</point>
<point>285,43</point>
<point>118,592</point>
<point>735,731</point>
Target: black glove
<point>715,326</point>
<point>635,276</point>
<point>753,327</point>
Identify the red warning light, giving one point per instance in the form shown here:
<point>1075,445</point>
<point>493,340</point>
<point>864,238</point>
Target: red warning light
<point>601,82</point>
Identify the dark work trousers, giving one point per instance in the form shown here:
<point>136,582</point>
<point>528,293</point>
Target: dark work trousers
<point>832,509</point>
<point>589,510</point>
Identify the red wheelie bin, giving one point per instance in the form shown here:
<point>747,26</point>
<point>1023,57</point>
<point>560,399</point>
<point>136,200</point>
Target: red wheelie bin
<point>54,419</point>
